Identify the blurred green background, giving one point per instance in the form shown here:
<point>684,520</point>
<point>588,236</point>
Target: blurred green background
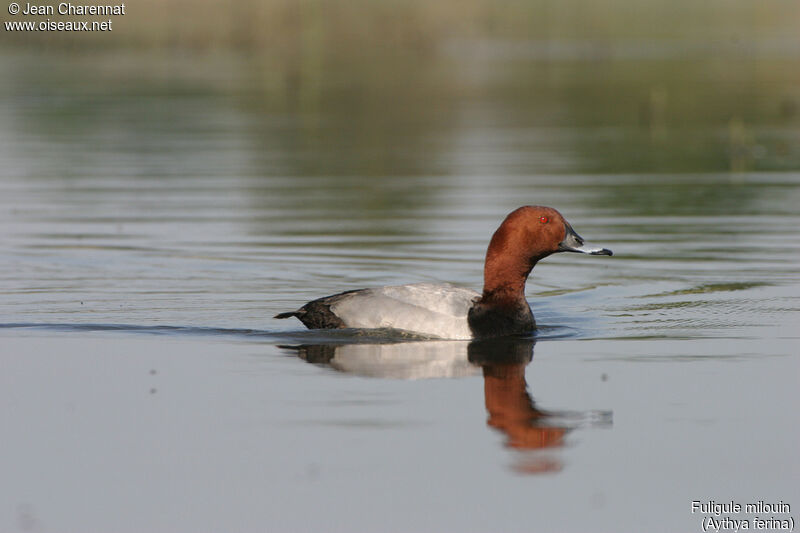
<point>371,88</point>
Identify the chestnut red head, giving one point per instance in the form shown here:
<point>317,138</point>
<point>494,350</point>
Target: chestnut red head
<point>527,235</point>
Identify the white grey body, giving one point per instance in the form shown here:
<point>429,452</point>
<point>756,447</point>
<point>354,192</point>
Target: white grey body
<point>428,309</point>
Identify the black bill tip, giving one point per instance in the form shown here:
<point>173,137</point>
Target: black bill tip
<point>602,251</point>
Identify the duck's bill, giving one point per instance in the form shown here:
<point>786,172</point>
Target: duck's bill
<point>591,250</point>
<point>574,243</point>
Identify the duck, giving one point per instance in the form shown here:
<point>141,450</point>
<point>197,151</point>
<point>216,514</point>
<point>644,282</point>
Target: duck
<point>444,311</point>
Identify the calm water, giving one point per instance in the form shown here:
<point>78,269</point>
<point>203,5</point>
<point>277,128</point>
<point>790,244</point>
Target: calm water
<point>156,213</point>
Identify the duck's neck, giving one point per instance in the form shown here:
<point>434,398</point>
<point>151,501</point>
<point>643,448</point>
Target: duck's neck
<point>504,278</point>
<point>502,309</point>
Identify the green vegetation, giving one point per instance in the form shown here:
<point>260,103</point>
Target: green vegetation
<point>374,88</point>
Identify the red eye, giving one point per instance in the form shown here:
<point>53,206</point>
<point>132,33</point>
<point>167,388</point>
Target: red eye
<point>543,220</point>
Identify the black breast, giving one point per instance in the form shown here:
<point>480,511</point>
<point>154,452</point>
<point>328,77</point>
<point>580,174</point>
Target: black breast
<point>489,321</point>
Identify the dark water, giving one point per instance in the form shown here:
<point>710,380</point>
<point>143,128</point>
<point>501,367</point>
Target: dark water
<point>156,212</point>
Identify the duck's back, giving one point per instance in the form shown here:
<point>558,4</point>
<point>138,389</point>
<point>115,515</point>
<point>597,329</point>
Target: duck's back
<point>437,310</point>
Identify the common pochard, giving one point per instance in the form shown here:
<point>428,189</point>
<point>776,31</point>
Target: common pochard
<point>527,235</point>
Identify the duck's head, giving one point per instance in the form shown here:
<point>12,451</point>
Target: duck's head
<point>527,235</point>
<point>533,232</point>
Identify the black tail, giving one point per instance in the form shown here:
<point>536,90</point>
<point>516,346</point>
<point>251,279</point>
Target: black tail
<point>317,314</point>
<point>288,314</point>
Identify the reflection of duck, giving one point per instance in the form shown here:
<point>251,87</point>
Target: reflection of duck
<point>511,409</point>
<point>526,235</point>
<point>405,360</point>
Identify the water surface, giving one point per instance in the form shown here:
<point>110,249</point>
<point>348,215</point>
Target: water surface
<point>153,219</point>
